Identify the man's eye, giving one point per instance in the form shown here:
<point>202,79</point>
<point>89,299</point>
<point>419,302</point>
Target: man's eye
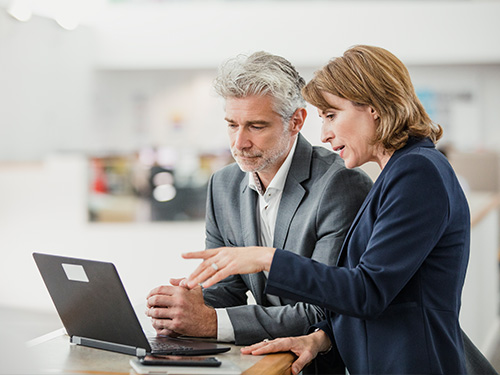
<point>253,127</point>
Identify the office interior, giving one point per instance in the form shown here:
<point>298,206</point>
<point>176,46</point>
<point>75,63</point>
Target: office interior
<point>110,129</point>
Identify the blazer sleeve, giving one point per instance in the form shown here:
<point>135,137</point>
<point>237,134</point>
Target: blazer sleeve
<point>411,214</point>
<point>232,290</point>
<point>213,237</point>
<point>254,323</point>
<point>336,206</point>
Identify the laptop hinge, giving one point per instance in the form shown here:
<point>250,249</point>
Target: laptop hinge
<point>76,340</point>
<point>120,348</point>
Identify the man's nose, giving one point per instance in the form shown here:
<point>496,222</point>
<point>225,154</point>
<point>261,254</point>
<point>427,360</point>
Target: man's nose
<point>242,140</point>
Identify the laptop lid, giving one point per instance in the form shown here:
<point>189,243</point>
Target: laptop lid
<point>96,311</point>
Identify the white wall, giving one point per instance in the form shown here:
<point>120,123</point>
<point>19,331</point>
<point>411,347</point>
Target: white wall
<point>203,33</point>
<point>43,209</point>
<point>45,90</point>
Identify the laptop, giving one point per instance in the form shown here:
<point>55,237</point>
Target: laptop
<point>96,311</point>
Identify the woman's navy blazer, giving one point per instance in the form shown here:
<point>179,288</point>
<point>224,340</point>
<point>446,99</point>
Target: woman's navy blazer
<point>393,300</point>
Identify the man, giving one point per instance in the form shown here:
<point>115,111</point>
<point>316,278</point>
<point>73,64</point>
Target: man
<point>282,192</point>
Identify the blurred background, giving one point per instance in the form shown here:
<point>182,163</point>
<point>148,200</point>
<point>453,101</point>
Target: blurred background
<point>109,128</point>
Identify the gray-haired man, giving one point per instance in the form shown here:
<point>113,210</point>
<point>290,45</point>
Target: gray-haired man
<point>282,192</point>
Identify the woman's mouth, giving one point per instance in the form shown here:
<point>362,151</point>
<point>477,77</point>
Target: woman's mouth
<point>340,150</point>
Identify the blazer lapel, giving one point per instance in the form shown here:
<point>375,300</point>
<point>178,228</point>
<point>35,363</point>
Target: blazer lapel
<point>412,143</point>
<point>288,206</point>
<point>293,191</point>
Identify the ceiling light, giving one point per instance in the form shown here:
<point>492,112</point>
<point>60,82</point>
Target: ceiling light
<point>20,10</point>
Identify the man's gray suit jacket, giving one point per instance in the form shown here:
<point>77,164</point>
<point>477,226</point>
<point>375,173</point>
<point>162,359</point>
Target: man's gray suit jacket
<point>320,200</point>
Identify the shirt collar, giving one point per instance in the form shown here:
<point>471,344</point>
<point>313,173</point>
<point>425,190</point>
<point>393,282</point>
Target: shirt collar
<point>279,179</point>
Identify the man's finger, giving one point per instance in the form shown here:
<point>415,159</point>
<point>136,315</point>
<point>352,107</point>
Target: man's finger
<point>159,313</point>
<point>176,282</point>
<point>163,289</point>
<point>159,300</point>
<point>161,324</point>
<point>166,332</point>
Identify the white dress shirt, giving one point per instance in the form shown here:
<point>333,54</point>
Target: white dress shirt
<point>267,211</point>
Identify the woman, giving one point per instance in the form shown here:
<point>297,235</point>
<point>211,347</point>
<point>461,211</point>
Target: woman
<point>393,301</point>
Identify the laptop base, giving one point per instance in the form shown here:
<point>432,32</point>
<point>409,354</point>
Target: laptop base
<point>98,344</point>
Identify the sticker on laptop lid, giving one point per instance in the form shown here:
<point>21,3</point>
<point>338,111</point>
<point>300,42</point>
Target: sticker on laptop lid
<point>75,272</point>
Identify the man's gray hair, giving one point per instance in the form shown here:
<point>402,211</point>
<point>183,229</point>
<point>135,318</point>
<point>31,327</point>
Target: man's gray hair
<point>262,74</point>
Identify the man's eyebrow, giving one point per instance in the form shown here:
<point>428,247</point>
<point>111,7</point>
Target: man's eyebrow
<point>254,122</point>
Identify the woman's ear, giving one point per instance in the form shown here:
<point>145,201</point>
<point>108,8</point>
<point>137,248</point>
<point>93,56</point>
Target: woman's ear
<point>374,113</point>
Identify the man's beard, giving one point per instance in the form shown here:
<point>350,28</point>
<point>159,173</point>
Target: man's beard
<point>262,159</point>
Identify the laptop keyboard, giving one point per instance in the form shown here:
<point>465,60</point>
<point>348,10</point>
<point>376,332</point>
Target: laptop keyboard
<point>175,346</point>
<point>163,346</point>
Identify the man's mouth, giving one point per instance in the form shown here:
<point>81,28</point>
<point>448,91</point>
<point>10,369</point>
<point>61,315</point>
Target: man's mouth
<point>246,155</point>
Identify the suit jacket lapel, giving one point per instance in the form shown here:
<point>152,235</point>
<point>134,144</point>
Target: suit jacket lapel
<point>293,191</point>
<point>412,143</point>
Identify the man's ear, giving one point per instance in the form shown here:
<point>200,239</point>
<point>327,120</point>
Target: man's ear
<point>297,120</point>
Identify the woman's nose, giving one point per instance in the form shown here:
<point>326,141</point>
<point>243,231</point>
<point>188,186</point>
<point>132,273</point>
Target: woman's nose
<point>326,134</point>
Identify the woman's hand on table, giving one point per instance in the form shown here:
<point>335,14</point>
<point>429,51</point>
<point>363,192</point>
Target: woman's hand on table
<point>305,347</point>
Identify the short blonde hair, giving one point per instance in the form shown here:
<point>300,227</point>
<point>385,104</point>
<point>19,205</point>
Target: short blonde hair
<point>373,76</point>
